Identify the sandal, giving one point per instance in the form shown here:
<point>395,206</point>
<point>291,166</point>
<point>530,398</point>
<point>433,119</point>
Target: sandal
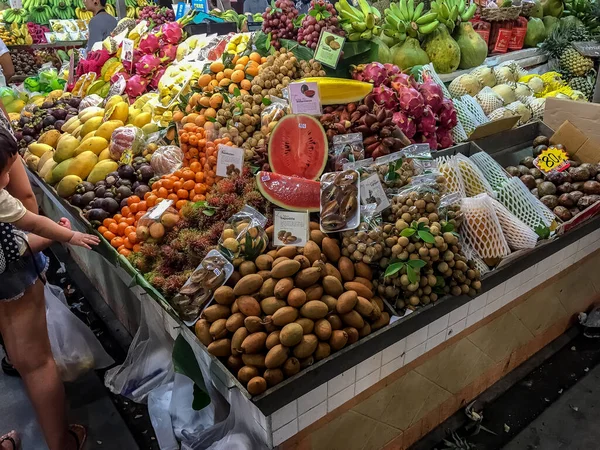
<point>73,433</point>
<point>9,369</point>
<point>13,438</point>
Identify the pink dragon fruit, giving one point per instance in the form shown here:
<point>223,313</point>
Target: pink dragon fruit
<point>411,101</point>
<point>171,33</point>
<point>405,123</point>
<point>427,122</point>
<point>427,139</point>
<point>444,138</point>
<point>384,96</point>
<point>149,44</point>
<point>432,93</point>
<point>392,69</point>
<point>401,80</point>
<point>136,86</point>
<point>447,114</point>
<point>168,53</point>
<point>156,77</point>
<point>371,73</point>
<point>147,65</point>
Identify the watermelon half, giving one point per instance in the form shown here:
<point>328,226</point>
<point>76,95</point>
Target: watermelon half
<point>298,147</point>
<point>291,193</point>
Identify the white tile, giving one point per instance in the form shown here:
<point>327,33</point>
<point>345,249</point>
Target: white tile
<point>285,432</point>
<point>413,354</point>
<point>544,265</point>
<point>284,415</point>
<point>312,415</point>
<point>513,283</point>
<point>437,326</point>
<point>264,436</point>
<point>511,296</point>
<point>393,351</point>
<point>312,398</point>
<point>458,314</point>
<point>392,366</point>
<point>340,398</point>
<point>541,278</point>
<point>456,328</point>
<point>472,319</point>
<point>259,417</point>
<point>567,262</point>
<point>529,274</point>
<point>367,382</point>
<point>571,249</point>
<point>340,382</point>
<point>495,293</point>
<point>368,366</point>
<point>491,308</point>
<point>418,337</point>
<point>436,340</point>
<point>477,303</point>
<point>557,257</point>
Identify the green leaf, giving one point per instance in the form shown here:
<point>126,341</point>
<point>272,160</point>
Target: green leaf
<point>237,92</point>
<point>313,13</point>
<point>408,232</point>
<point>412,275</point>
<point>416,263</point>
<point>426,236</point>
<point>447,227</point>
<point>542,231</point>
<point>184,362</point>
<point>208,212</point>
<point>440,282</point>
<point>299,51</point>
<point>393,269</point>
<point>268,42</point>
<point>266,101</point>
<point>421,226</point>
<point>356,48</point>
<point>211,119</point>
<point>254,169</point>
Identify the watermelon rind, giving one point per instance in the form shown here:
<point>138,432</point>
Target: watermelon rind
<point>301,158</point>
<point>291,193</point>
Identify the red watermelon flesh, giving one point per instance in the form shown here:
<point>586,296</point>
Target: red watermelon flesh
<point>292,193</point>
<point>298,147</point>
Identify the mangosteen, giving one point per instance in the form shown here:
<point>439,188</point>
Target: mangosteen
<point>100,191</point>
<point>546,188</point>
<point>141,190</point>
<point>513,171</point>
<point>559,146</point>
<point>74,102</point>
<point>18,135</point>
<point>111,180</point>
<point>579,173</point>
<point>578,185</point>
<point>124,192</point>
<point>126,171</point>
<point>96,203</point>
<point>536,173</point>
<point>48,121</point>
<point>562,213</point>
<point>541,140</point>
<point>109,194</point>
<point>555,177</point>
<point>76,200</point>
<point>145,173</point>
<point>123,202</point>
<point>538,149</point>
<point>527,162</point>
<point>69,116</point>
<point>574,163</point>
<point>539,181</point>
<point>48,104</point>
<point>28,130</point>
<point>591,187</point>
<point>528,181</point>
<point>111,205</point>
<point>576,195</point>
<point>135,185</point>
<point>97,215</point>
<point>566,200</point>
<point>38,126</point>
<point>523,170</point>
<point>28,139</point>
<point>591,169</point>
<point>123,182</point>
<point>551,201</point>
<point>87,198</point>
<point>58,124</point>
<point>564,188</point>
<point>24,120</point>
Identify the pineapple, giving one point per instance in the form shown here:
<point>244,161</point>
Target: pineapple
<point>558,46</point>
<point>583,85</point>
<point>572,62</point>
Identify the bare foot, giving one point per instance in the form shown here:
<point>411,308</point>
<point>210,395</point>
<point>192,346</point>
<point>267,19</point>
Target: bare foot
<point>7,444</point>
<point>81,434</point>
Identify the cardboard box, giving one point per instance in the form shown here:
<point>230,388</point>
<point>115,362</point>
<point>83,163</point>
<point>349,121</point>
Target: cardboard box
<point>585,116</point>
<point>578,145</point>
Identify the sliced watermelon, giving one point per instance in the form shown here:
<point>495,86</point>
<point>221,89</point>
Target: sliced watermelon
<point>298,147</point>
<point>292,193</point>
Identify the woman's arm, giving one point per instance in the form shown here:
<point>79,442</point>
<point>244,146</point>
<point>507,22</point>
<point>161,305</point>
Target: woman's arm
<point>20,187</point>
<point>7,66</point>
<point>45,227</point>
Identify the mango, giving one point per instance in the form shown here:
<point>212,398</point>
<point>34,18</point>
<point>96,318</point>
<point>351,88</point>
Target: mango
<point>89,112</point>
<point>118,112</point>
<point>71,129</point>
<point>67,125</point>
<point>58,172</point>
<point>66,148</point>
<point>39,149</point>
<point>82,164</point>
<point>50,138</point>
<point>91,125</point>
<point>91,134</point>
<point>67,185</point>
<point>46,169</point>
<point>77,131</point>
<point>56,94</point>
<point>142,119</point>
<point>150,128</point>
<point>46,157</point>
<point>101,170</point>
<point>15,106</point>
<point>106,129</point>
<point>113,101</point>
<point>104,154</point>
<point>32,162</point>
<point>94,144</point>
<point>133,113</point>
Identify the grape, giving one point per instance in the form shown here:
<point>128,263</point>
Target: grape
<point>280,23</point>
<point>310,30</point>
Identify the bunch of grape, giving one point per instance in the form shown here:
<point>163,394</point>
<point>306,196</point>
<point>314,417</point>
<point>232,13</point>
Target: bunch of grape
<point>280,22</point>
<point>157,15</point>
<point>322,16</point>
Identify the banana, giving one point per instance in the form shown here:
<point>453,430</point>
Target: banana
<point>370,23</point>
<point>354,36</point>
<point>427,18</point>
<point>444,11</point>
<point>366,35</point>
<point>469,12</point>
<point>428,28</point>
<point>364,7</point>
<point>358,26</point>
<point>461,7</point>
<point>411,9</point>
<point>454,13</point>
<point>418,11</point>
<point>403,10</point>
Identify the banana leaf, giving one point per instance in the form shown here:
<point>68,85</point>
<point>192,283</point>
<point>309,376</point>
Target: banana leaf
<point>344,68</point>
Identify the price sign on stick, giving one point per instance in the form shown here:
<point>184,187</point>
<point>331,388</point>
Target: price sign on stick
<point>552,159</point>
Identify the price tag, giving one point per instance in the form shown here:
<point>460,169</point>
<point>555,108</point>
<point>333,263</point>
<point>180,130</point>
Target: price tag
<point>199,5</point>
<point>329,49</point>
<point>16,4</point>
<point>230,160</point>
<point>552,159</point>
<point>371,191</point>
<point>127,51</point>
<point>291,228</point>
<point>590,49</point>
<point>305,98</point>
<point>182,8</point>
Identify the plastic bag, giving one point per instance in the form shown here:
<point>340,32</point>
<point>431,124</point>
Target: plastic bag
<point>449,211</point>
<point>234,433</point>
<point>419,198</point>
<point>274,112</point>
<point>149,360</point>
<point>166,160</point>
<point>365,243</point>
<point>340,201</point>
<point>126,143</point>
<point>157,221</point>
<point>396,170</point>
<point>90,100</point>
<point>244,234</point>
<point>75,348</point>
<point>346,148</point>
<point>159,401</point>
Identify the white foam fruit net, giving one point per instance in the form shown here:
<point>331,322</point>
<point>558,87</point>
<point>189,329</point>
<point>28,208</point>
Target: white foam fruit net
<point>515,196</point>
<point>458,132</point>
<point>489,100</point>
<point>428,69</point>
<point>518,235</point>
<point>448,166</point>
<point>472,255</point>
<point>548,215</point>
<point>481,228</point>
<point>473,179</point>
<point>493,172</point>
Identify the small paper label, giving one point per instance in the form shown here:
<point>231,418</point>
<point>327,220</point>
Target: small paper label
<point>182,7</point>
<point>127,50</point>
<point>291,228</point>
<point>355,165</point>
<point>371,191</point>
<point>230,161</point>
<point>552,159</point>
<point>329,49</point>
<point>159,210</point>
<point>16,4</point>
<point>199,5</point>
<point>305,98</point>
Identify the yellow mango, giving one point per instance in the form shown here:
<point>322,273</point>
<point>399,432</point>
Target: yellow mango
<point>142,119</point>
<point>50,137</point>
<point>106,129</point>
<point>118,112</point>
<point>104,154</point>
<point>67,185</point>
<point>39,149</point>
<point>66,148</point>
<point>101,170</point>
<point>91,125</point>
<point>94,144</point>
<point>82,164</point>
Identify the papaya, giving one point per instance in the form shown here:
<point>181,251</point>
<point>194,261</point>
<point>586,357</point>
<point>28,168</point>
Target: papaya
<point>442,50</point>
<point>66,148</point>
<point>82,164</point>
<point>66,187</point>
<point>536,32</point>
<point>101,170</point>
<point>408,54</point>
<point>473,49</point>
<point>94,144</point>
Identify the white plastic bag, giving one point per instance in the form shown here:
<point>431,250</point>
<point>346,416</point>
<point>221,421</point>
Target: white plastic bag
<point>158,410</point>
<point>234,433</point>
<point>75,348</point>
<point>149,362</point>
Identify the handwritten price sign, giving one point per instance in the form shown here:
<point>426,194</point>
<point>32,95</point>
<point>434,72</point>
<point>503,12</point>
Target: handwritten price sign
<point>552,159</point>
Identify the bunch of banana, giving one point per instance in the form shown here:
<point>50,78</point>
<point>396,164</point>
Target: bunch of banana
<point>110,9</point>
<point>142,3</point>
<point>17,16</point>
<point>405,18</point>
<point>132,12</point>
<point>359,24</point>
<point>131,3</point>
<point>62,10</point>
<point>453,12</point>
<point>82,14</point>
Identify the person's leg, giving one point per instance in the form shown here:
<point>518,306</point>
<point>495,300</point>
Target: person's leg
<point>23,326</point>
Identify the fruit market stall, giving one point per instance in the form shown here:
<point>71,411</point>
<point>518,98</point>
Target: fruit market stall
<point>294,220</point>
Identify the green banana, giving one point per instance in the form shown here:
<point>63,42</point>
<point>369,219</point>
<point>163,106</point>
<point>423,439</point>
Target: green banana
<point>366,35</point>
<point>364,6</point>
<point>454,13</point>
<point>428,28</point>
<point>403,10</point>
<point>418,11</point>
<point>411,9</point>
<point>426,19</point>
<point>469,12</point>
<point>370,23</point>
<point>354,36</point>
<point>358,26</point>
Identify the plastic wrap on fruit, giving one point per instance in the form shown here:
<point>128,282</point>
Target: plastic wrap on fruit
<point>157,221</point>
<point>278,108</point>
<point>126,143</point>
<point>243,235</point>
<point>166,160</point>
<point>90,100</point>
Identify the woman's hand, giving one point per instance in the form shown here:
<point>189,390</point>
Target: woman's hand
<point>84,240</point>
<point>65,223</point>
